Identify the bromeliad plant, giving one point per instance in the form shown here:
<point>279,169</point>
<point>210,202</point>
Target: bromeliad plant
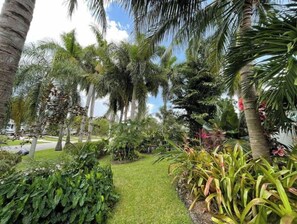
<point>236,188</point>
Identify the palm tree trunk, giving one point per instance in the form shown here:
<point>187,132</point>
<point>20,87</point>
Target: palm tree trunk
<point>258,141</point>
<point>60,139</point>
<point>33,147</point>
<point>68,137</point>
<point>84,119</point>
<point>16,16</point>
<point>91,120</point>
<point>126,112</point>
<point>133,104</point>
<point>121,115</point>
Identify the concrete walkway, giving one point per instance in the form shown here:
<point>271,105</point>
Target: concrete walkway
<point>41,146</point>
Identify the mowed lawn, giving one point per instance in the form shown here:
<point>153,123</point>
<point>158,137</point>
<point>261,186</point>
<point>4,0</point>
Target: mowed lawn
<point>147,195</point>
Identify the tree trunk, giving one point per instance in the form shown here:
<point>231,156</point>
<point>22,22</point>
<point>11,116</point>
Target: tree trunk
<point>258,141</point>
<point>121,115</point>
<point>133,104</point>
<point>83,122</point>
<point>16,16</point>
<point>126,112</point>
<point>91,120</point>
<point>60,139</point>
<point>33,147</point>
<point>68,137</point>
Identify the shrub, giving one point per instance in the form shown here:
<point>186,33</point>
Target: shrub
<point>99,148</point>
<point>235,188</point>
<point>81,192</point>
<point>8,161</point>
<point>125,142</point>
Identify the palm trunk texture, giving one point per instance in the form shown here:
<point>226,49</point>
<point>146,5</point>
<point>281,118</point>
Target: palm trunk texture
<point>91,120</point>
<point>15,20</point>
<point>84,119</point>
<point>60,139</point>
<point>258,141</point>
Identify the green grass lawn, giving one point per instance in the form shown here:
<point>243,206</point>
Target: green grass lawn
<point>17,142</point>
<point>146,193</point>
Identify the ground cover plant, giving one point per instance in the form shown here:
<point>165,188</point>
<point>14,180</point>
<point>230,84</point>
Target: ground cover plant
<point>80,191</point>
<point>236,188</point>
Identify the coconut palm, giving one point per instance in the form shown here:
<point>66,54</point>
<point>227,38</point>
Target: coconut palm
<point>16,17</point>
<point>187,20</point>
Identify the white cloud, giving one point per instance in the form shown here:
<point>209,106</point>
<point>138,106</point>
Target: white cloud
<point>150,107</point>
<point>51,19</point>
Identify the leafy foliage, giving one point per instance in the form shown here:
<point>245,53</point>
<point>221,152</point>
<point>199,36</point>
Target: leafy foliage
<point>235,188</point>
<point>126,137</point>
<point>195,90</point>
<point>81,192</point>
<point>273,48</point>
<point>8,161</point>
<point>99,148</point>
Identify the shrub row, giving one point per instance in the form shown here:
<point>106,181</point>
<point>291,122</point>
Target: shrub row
<point>79,192</point>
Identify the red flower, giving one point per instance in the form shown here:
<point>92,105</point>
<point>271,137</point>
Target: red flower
<point>240,104</point>
<point>204,134</point>
<point>280,151</point>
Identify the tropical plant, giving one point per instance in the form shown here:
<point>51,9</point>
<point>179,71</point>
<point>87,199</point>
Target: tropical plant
<point>190,20</point>
<point>81,192</point>
<point>125,141</point>
<point>272,47</point>
<point>15,19</point>
<point>235,188</point>
<point>34,81</point>
<point>195,90</point>
<point>8,161</point>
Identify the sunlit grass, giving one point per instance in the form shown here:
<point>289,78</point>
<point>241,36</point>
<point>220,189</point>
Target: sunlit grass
<point>146,194</point>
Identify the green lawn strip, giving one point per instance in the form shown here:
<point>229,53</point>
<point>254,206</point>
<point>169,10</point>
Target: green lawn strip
<point>146,194</point>
<point>18,142</point>
<point>48,155</point>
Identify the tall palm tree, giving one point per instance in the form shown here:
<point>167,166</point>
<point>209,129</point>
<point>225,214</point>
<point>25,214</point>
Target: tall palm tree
<point>187,20</point>
<point>68,71</point>
<point>15,20</point>
<point>272,46</point>
<point>145,74</point>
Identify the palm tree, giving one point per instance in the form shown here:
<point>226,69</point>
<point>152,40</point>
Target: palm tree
<point>188,20</point>
<point>15,20</point>
<point>34,81</point>
<point>68,71</point>
<point>92,62</point>
<point>273,47</point>
<point>145,74</point>
<point>16,17</point>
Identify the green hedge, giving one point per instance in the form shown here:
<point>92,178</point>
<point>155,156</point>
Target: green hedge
<point>8,161</point>
<point>80,192</point>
